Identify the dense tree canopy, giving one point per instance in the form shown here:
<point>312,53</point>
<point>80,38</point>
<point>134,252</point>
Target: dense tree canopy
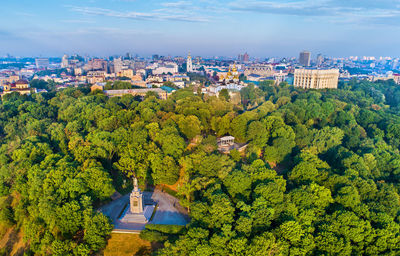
<point>320,174</point>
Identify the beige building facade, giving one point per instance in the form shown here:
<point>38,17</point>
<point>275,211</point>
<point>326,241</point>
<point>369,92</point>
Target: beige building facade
<point>262,70</point>
<point>126,73</point>
<point>316,78</point>
<point>137,92</point>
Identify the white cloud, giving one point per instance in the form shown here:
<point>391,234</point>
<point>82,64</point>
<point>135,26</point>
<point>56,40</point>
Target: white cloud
<point>341,11</point>
<point>179,4</point>
<point>160,16</point>
<point>78,21</point>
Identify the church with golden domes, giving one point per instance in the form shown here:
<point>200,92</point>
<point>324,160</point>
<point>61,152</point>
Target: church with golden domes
<point>231,77</point>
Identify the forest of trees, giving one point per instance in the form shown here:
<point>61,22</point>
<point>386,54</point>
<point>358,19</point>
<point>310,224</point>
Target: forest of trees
<point>320,175</point>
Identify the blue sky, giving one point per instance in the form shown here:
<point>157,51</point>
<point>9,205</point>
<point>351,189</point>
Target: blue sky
<point>204,27</point>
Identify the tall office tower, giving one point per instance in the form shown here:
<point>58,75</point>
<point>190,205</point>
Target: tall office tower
<point>118,65</point>
<point>243,57</point>
<point>316,78</point>
<point>189,65</point>
<point>320,60</point>
<point>305,58</point>
<point>246,57</point>
<point>64,61</point>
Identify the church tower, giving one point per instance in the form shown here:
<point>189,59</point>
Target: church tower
<point>189,65</point>
<point>136,198</point>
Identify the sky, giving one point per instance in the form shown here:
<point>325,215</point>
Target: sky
<point>273,28</point>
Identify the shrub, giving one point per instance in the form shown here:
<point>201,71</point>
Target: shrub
<point>166,229</point>
<point>152,236</point>
<point>6,216</point>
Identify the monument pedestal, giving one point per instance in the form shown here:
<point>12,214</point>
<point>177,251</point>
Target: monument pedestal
<point>143,217</point>
<point>135,212</point>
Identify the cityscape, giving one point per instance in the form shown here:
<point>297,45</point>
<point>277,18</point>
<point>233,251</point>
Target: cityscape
<point>217,73</point>
<point>199,128</point>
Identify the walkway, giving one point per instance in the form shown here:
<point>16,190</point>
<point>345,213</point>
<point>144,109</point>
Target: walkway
<point>169,211</point>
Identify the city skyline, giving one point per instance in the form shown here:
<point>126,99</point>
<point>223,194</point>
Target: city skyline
<point>205,27</point>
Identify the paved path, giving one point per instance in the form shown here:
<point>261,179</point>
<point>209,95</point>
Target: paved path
<point>114,209</point>
<point>169,211</point>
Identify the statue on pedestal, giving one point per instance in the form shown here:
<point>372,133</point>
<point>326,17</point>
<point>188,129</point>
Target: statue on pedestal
<point>136,198</point>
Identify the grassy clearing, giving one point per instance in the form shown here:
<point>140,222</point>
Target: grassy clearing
<point>169,189</point>
<point>127,245</point>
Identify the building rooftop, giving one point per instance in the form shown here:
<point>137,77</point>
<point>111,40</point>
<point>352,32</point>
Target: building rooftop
<point>167,89</point>
<point>126,91</point>
<point>21,81</point>
<point>227,138</point>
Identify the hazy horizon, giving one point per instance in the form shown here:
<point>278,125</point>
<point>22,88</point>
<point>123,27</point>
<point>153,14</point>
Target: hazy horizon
<point>204,27</point>
<point>233,57</point>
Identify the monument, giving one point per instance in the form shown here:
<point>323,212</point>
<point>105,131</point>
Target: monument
<point>136,199</point>
<point>136,213</point>
<point>131,212</point>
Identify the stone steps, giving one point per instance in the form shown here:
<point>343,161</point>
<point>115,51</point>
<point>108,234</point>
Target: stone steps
<point>133,218</point>
<point>129,217</point>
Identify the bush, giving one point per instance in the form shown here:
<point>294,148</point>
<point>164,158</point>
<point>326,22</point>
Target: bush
<point>3,251</point>
<point>4,190</point>
<point>152,236</point>
<point>169,191</point>
<point>166,229</point>
<point>7,216</point>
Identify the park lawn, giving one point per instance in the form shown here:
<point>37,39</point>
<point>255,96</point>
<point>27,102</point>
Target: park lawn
<point>169,189</point>
<point>127,244</point>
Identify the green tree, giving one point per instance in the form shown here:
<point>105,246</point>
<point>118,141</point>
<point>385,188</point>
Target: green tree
<point>224,94</point>
<point>190,126</point>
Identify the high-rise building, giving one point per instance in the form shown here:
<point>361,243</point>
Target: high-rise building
<point>64,61</point>
<point>128,56</point>
<point>118,65</point>
<point>243,57</point>
<point>246,57</point>
<point>42,63</point>
<point>320,60</point>
<point>316,78</point>
<point>189,65</point>
<point>97,64</point>
<point>305,58</point>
